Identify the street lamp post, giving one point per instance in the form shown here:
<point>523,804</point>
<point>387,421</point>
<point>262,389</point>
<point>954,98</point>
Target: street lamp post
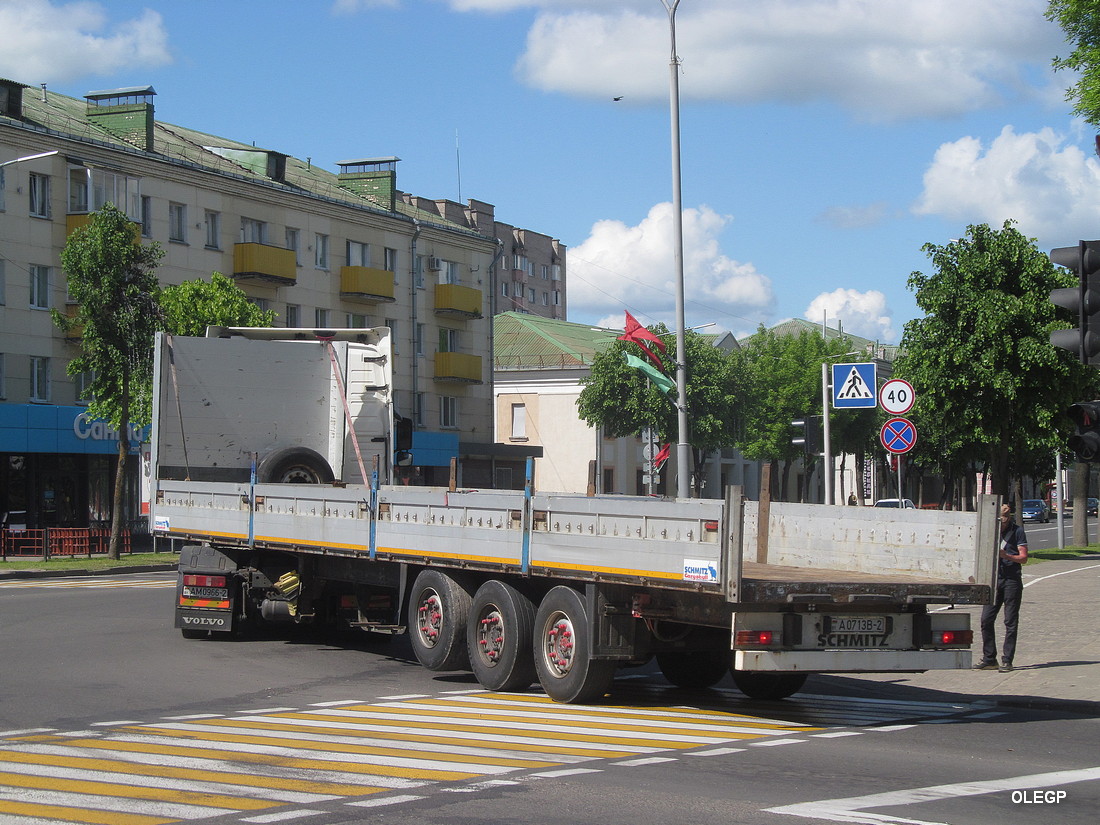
<point>29,157</point>
<point>683,454</point>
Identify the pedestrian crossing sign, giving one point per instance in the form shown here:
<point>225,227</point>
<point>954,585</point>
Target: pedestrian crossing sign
<point>854,386</point>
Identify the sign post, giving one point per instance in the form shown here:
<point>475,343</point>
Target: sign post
<point>898,435</point>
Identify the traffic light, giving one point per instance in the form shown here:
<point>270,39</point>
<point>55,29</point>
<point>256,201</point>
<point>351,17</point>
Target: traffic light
<point>810,437</point>
<point>1085,443</point>
<point>1083,300</point>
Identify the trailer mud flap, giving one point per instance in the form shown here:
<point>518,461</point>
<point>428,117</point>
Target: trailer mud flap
<point>204,590</point>
<point>203,620</point>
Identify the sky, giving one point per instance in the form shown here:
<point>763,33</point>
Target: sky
<point>823,143</point>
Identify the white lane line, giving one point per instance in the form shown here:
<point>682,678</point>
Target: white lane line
<point>284,816</point>
<point>567,772</point>
<point>637,763</point>
<point>768,743</point>
<point>388,800</point>
<point>26,731</point>
<point>715,752</point>
<point>849,809</point>
<point>837,734</point>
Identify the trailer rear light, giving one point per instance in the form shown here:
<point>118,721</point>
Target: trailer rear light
<point>710,526</point>
<point>203,581</point>
<point>953,638</point>
<point>754,638</point>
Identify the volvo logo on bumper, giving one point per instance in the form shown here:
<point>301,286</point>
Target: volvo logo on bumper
<point>203,620</point>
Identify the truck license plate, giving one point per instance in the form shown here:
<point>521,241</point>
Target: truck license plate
<point>857,624</point>
<point>192,592</point>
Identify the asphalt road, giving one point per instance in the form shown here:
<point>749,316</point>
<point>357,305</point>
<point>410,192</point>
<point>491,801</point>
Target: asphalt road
<point>108,715</point>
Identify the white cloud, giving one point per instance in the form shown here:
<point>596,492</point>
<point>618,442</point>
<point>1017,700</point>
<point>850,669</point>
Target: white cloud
<point>1036,178</point>
<point>885,59</point>
<point>860,313</point>
<point>55,42</point>
<point>633,267</point>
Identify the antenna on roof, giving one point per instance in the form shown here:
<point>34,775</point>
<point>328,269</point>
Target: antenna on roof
<point>458,162</point>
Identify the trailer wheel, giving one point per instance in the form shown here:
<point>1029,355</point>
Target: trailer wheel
<point>563,660</point>
<point>499,637</point>
<point>439,609</point>
<point>694,668</point>
<point>758,685</point>
<point>294,465</point>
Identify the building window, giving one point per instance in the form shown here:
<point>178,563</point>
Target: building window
<point>84,381</point>
<point>40,286</point>
<point>177,222</point>
<point>504,288</point>
<point>557,298</point>
<point>531,295</point>
<point>449,273</point>
<point>320,318</point>
<point>40,378</point>
<point>213,221</point>
<point>358,253</point>
<point>419,339</point>
<point>294,241</point>
<point>146,216</point>
<point>92,189</point>
<point>253,231</point>
<point>555,272</point>
<point>418,409</point>
<point>545,272</point>
<point>392,324</point>
<point>390,262</point>
<point>259,303</point>
<point>418,271</point>
<point>78,189</point>
<point>519,421</point>
<point>356,320</point>
<point>320,251</point>
<point>448,411</point>
<point>293,314</point>
<point>39,195</point>
<point>448,340</point>
<point>546,299</point>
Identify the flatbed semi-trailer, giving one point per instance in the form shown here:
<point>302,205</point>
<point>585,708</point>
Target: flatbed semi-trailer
<point>523,585</point>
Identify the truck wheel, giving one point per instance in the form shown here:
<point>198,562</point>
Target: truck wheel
<point>294,465</point>
<point>758,685</point>
<point>695,668</point>
<point>563,660</point>
<point>439,609</point>
<point>499,637</point>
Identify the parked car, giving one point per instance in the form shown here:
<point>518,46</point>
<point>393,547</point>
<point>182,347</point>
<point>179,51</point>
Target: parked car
<point>1035,509</point>
<point>906,503</point>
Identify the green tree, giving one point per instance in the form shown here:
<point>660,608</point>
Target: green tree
<point>623,401</point>
<point>991,389</point>
<point>1080,20</point>
<point>785,378</point>
<point>112,278</point>
<point>193,305</point>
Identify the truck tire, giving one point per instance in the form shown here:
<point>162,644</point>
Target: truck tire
<point>499,635</point>
<point>758,685</point>
<point>563,660</point>
<point>439,610</point>
<point>694,668</point>
<point>294,465</point>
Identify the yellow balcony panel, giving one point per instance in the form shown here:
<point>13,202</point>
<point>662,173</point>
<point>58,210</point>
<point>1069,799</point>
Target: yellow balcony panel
<point>452,299</point>
<point>260,262</point>
<point>367,284</point>
<point>75,332</point>
<point>77,220</point>
<point>458,367</point>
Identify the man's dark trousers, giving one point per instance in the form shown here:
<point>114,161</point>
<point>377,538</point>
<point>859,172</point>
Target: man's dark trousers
<point>1009,594</point>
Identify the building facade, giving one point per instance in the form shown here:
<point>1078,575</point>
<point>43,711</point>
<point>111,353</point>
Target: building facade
<point>319,248</point>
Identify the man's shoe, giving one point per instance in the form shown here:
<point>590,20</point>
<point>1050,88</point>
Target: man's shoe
<point>1006,667</point>
<point>985,665</point>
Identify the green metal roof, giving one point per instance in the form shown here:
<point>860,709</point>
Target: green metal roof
<point>68,116</point>
<point>796,326</point>
<point>532,342</point>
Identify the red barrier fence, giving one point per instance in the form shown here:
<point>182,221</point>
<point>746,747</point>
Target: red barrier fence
<point>60,541</point>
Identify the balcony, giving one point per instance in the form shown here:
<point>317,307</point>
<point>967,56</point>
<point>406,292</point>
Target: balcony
<point>457,368</point>
<point>366,284</point>
<point>260,262</point>
<point>78,220</point>
<point>461,301</point>
<point>74,333</point>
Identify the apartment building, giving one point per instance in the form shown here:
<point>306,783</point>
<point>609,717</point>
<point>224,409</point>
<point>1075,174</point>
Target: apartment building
<point>343,248</point>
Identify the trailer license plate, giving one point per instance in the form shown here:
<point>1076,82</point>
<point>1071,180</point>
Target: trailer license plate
<point>192,592</point>
<point>857,624</point>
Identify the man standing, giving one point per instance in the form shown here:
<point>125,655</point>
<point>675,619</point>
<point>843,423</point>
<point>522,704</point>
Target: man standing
<point>1010,588</point>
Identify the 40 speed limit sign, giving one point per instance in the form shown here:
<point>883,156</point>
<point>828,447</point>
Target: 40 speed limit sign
<point>896,396</point>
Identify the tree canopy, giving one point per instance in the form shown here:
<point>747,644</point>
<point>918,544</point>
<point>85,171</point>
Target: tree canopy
<point>991,390</point>
<point>1080,20</point>
<point>193,305</point>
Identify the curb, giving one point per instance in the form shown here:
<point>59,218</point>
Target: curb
<point>6,575</point>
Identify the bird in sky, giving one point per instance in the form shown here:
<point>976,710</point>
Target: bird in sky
<point>620,97</point>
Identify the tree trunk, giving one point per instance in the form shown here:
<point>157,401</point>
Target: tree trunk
<point>120,472</point>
